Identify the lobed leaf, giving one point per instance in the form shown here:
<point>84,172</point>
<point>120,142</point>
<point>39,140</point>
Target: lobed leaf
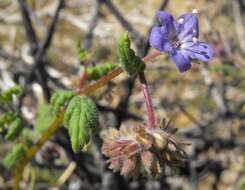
<point>60,99</point>
<point>98,71</point>
<point>81,120</point>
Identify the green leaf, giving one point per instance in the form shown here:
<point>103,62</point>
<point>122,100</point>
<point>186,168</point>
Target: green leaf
<point>59,99</point>
<point>17,152</point>
<point>131,63</point>
<point>8,95</point>
<point>81,119</point>
<point>45,117</point>
<point>98,71</point>
<point>6,118</point>
<point>15,129</point>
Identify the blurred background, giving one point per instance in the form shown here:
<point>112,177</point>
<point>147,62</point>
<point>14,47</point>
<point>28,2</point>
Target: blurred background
<point>38,50</point>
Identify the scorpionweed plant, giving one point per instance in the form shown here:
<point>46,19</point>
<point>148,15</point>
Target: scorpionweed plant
<point>146,148</point>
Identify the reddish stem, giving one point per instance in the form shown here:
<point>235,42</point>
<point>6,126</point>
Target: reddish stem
<point>84,77</point>
<point>146,91</point>
<point>152,55</point>
<point>148,101</point>
<point>82,81</point>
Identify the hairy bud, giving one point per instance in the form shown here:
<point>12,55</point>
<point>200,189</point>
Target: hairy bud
<point>131,63</point>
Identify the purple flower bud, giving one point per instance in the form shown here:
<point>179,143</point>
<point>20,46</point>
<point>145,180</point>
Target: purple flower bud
<point>180,39</point>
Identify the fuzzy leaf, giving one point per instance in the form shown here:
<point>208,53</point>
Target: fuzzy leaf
<point>17,152</point>
<point>81,120</point>
<point>15,129</point>
<point>131,63</point>
<point>98,71</point>
<point>59,99</point>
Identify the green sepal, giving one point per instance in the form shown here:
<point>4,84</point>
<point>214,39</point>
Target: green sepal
<point>131,63</point>
<point>12,157</point>
<point>81,119</point>
<point>94,73</point>
<point>14,129</point>
<point>59,99</point>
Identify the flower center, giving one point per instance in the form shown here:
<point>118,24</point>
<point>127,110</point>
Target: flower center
<point>175,43</point>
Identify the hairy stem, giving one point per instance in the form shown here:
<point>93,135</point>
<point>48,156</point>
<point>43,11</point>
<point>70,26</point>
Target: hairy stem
<point>82,81</point>
<point>58,122</point>
<point>146,91</point>
<point>147,97</point>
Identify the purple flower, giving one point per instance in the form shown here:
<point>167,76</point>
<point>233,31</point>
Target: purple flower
<point>180,39</point>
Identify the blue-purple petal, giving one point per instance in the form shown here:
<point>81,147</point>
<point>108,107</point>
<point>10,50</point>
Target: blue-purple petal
<point>182,62</point>
<point>188,38</point>
<point>166,19</point>
<point>199,50</point>
<point>188,26</point>
<point>159,39</point>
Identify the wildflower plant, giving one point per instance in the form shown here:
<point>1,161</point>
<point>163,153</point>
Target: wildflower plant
<point>146,148</point>
<point>150,148</point>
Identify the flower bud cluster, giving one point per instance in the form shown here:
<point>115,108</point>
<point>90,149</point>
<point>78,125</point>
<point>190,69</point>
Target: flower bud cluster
<point>137,149</point>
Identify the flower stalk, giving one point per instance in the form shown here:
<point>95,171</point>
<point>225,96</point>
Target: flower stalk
<point>146,91</point>
<point>151,56</point>
<point>148,101</point>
